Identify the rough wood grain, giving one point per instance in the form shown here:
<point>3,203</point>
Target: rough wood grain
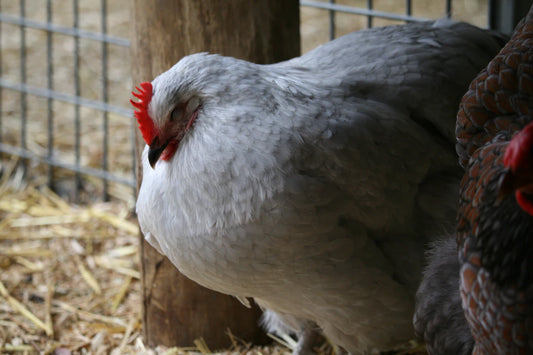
<point>176,311</point>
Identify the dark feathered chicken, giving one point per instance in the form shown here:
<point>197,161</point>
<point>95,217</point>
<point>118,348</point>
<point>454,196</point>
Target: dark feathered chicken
<point>495,223</point>
<point>495,235</point>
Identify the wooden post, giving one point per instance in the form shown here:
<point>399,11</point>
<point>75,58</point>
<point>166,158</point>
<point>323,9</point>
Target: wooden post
<point>176,311</point>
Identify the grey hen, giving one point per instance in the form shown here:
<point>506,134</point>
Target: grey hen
<point>311,185</point>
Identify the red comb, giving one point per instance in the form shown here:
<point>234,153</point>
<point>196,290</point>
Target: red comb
<point>146,124</point>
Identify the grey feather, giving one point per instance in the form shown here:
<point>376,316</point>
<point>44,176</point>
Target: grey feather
<point>439,318</point>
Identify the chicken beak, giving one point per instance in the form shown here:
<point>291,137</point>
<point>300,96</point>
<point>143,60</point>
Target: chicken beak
<point>155,152</point>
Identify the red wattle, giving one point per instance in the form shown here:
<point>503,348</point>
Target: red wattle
<point>524,202</point>
<point>170,150</point>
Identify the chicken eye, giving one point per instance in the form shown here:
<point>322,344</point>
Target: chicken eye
<point>176,113</point>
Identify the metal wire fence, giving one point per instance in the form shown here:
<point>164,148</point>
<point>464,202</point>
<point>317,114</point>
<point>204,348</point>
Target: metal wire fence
<point>64,83</point>
<point>55,123</point>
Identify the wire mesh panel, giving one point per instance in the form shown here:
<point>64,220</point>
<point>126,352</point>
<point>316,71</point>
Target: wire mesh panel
<point>65,88</point>
<point>64,81</point>
<point>328,19</point>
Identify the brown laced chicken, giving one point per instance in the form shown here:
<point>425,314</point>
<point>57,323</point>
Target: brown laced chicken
<point>495,217</point>
<point>495,226</point>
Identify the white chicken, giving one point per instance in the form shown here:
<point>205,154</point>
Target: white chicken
<point>312,185</point>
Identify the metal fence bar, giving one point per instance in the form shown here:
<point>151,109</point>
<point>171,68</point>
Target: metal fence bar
<point>369,6</point>
<point>77,107</point>
<point>505,14</point>
<point>27,154</point>
<point>448,8</point>
<point>69,31</point>
<point>331,22</point>
<point>71,99</point>
<point>50,86</point>
<point>408,7</point>
<point>492,8</point>
<point>105,99</point>
<point>1,91</point>
<point>361,11</point>
<point>23,97</point>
